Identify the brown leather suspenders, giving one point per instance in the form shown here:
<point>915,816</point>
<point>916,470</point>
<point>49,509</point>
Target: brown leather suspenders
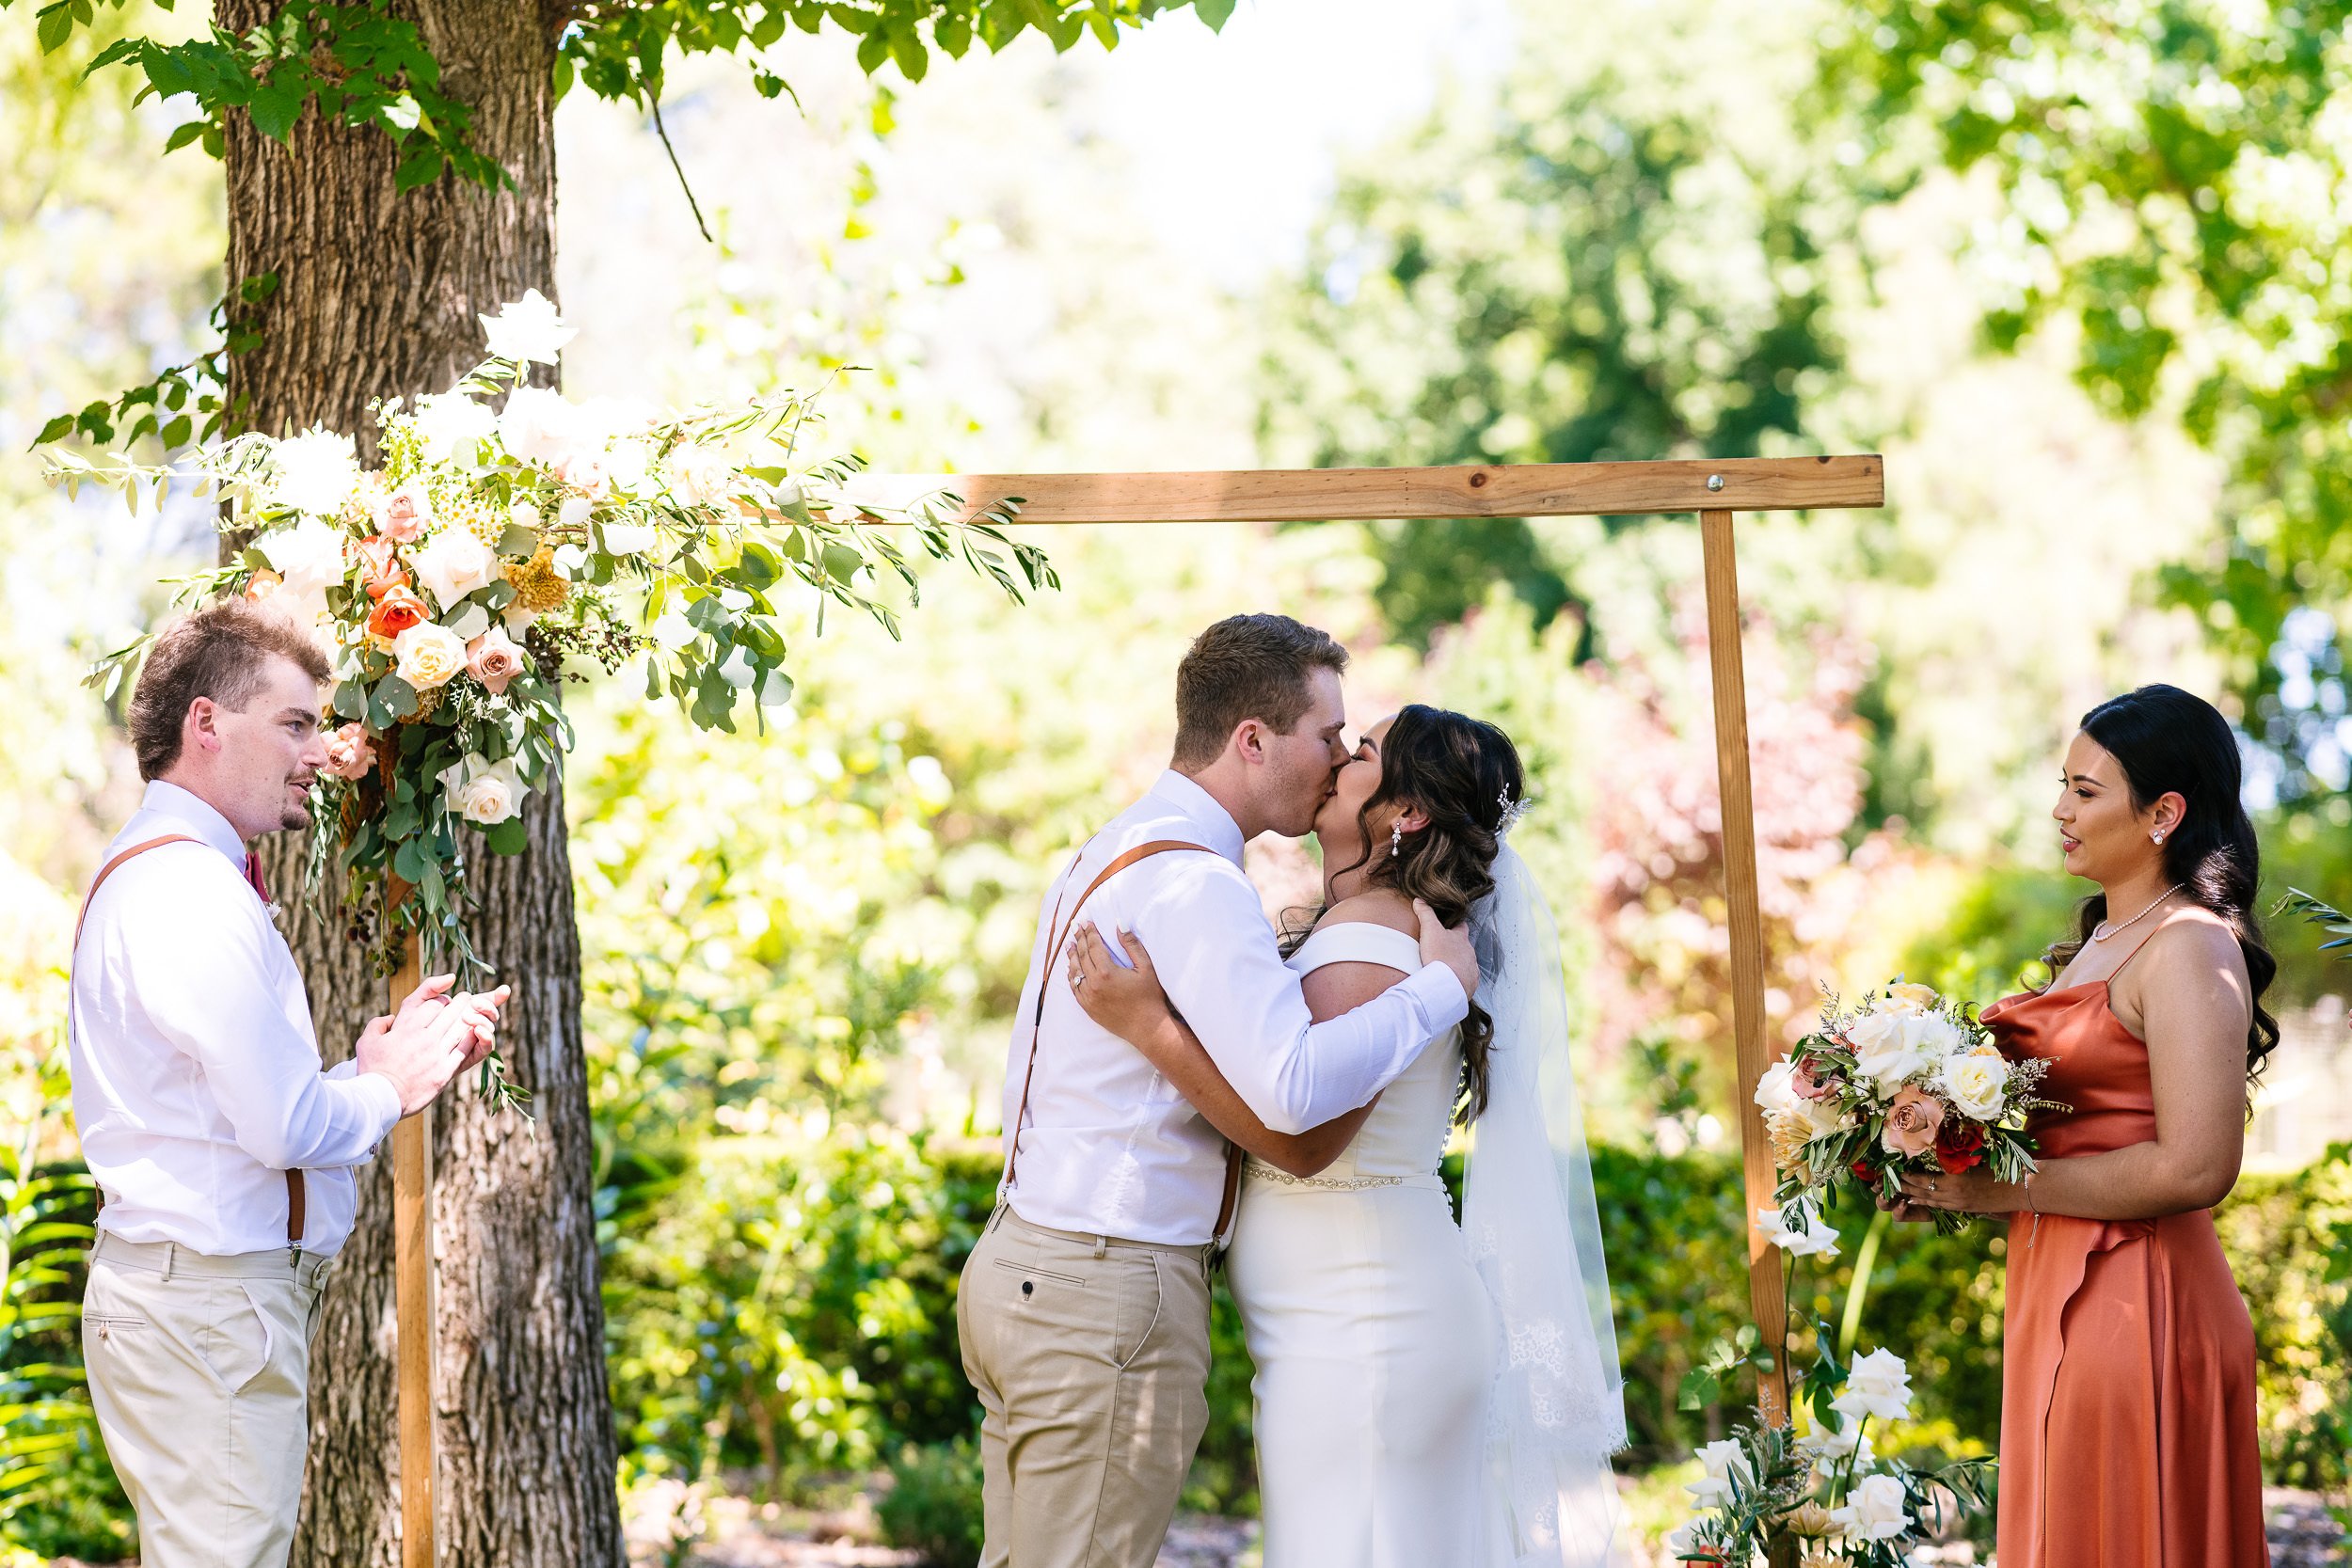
<point>1059,932</point>
<point>294,1194</point>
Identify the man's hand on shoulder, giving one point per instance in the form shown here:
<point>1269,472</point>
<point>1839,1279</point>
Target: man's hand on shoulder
<point>1449,946</point>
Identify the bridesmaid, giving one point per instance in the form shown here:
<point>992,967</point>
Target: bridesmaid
<point>2127,1385</point>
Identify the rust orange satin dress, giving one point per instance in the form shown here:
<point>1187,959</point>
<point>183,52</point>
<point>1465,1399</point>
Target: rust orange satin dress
<point>2128,1377</point>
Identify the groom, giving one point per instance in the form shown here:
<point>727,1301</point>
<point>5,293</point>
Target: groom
<point>1083,1311</point>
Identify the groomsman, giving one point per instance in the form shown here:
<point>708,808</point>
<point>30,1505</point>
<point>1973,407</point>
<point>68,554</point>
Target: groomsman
<point>221,1149</point>
<point>1083,1311</point>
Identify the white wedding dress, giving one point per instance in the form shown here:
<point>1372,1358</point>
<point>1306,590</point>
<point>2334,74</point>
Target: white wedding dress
<point>1424,1399</point>
<point>1374,1338</point>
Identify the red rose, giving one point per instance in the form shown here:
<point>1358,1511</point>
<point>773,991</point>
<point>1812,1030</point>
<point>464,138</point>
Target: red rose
<point>1960,1145</point>
<point>1867,1171</point>
<point>395,612</point>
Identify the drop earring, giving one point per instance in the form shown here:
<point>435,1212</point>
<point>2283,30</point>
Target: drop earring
<point>1397,838</point>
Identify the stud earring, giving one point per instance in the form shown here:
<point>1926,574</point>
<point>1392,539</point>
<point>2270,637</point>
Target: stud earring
<point>2157,837</point>
<point>1397,838</point>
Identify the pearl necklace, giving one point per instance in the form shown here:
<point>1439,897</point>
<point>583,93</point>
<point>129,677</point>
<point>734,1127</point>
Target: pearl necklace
<point>2102,930</point>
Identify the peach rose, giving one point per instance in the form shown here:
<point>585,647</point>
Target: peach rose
<point>262,584</point>
<point>407,513</point>
<point>493,659</point>
<point>395,612</point>
<point>380,570</point>
<point>350,751</point>
<point>1912,1122</point>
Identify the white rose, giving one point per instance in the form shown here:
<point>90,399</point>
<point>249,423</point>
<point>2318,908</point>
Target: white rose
<point>1977,1082</point>
<point>538,426</point>
<point>1817,1117</point>
<point>310,555</point>
<point>1807,1238</point>
<point>528,329</point>
<point>630,538</point>
<point>1724,1461</point>
<point>454,565</point>
<point>447,421</point>
<point>1874,1510</point>
<point>698,476</point>
<point>1888,1048</point>
<point>483,791</point>
<point>1773,1096</point>
<point>427,656</point>
<point>626,461</point>
<point>1877,1385</point>
<point>314,472</point>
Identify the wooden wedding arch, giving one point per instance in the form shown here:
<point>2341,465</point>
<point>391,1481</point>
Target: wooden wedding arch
<point>1716,491</point>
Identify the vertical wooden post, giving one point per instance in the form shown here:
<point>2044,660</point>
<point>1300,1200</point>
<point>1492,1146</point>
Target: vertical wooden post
<point>412,1291</point>
<point>1768,1294</point>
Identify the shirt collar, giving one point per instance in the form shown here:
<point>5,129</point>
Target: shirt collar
<point>1218,831</point>
<point>190,811</point>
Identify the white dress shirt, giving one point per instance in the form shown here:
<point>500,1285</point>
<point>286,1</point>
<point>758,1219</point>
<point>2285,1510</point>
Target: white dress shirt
<point>1106,1145</point>
<point>197,1078</point>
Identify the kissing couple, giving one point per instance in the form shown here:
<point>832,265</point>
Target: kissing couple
<point>1426,1395</point>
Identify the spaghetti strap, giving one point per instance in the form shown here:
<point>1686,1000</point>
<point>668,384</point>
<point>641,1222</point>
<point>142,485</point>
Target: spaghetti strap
<point>2145,938</point>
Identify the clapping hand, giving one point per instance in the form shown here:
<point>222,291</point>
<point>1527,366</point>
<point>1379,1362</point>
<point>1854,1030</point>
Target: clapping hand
<point>436,1035</point>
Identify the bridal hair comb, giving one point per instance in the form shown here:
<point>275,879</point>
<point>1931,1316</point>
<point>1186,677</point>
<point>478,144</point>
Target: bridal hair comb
<point>1512,811</point>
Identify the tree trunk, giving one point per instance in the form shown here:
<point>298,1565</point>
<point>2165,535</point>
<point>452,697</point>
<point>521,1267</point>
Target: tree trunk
<point>376,297</point>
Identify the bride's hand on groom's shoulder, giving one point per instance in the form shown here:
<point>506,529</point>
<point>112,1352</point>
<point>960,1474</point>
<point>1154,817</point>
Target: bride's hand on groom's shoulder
<point>1449,946</point>
<point>1126,999</point>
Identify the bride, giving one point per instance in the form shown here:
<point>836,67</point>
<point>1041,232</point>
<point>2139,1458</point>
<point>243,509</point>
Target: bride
<point>1426,1395</point>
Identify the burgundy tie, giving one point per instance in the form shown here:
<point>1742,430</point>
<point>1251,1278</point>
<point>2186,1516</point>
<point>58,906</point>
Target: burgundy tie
<point>253,875</point>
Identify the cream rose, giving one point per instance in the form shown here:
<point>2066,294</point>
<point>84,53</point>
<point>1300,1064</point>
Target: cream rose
<point>698,476</point>
<point>448,420</point>
<point>1912,997</point>
<point>493,659</point>
<point>484,792</point>
<point>1874,1510</point>
<point>538,426</point>
<point>427,656</point>
<point>525,329</point>
<point>454,565</point>
<point>630,538</point>
<point>314,472</point>
<point>1977,1082</point>
<point>1775,1092</point>
<point>309,556</point>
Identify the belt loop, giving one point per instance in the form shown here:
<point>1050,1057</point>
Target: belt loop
<point>1100,1244</point>
<point>996,1220</point>
<point>171,1255</point>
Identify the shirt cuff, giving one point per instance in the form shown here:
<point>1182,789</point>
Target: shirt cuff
<point>1439,992</point>
<point>385,1098</point>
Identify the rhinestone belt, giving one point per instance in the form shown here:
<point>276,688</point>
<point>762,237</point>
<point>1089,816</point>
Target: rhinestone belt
<point>1260,1169</point>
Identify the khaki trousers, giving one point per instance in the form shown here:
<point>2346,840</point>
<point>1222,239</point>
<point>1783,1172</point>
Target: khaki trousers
<point>1091,1357</point>
<point>200,1371</point>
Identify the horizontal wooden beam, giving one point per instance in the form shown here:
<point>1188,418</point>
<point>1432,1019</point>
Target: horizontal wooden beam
<point>1318,495</point>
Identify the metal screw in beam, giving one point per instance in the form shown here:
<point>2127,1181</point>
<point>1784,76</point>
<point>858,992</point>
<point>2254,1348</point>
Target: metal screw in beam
<point>1714,483</point>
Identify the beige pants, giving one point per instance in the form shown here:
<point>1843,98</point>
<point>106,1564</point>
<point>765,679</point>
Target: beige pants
<point>200,1371</point>
<point>1091,1358</point>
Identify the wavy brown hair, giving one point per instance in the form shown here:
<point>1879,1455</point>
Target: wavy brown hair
<point>1464,774</point>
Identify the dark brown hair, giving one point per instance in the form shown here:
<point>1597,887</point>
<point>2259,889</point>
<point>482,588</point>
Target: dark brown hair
<point>2171,741</point>
<point>221,650</point>
<point>1464,774</point>
<point>1247,667</point>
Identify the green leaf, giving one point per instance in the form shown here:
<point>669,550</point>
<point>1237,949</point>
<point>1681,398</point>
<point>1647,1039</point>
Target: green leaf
<point>1214,12</point>
<point>351,699</point>
<point>53,25</point>
<point>842,562</point>
<point>519,541</point>
<point>183,134</point>
<point>420,168</point>
<point>57,429</point>
<point>508,837</point>
<point>399,699</point>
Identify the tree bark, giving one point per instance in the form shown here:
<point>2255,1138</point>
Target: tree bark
<point>377,292</point>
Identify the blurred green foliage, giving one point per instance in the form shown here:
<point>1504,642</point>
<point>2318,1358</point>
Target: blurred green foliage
<point>2173,174</point>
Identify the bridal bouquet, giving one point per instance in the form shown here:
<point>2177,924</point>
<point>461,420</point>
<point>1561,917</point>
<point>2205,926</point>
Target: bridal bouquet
<point>1827,1494</point>
<point>1907,1081</point>
<point>496,551</point>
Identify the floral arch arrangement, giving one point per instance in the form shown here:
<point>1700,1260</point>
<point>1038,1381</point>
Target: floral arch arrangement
<point>498,544</point>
